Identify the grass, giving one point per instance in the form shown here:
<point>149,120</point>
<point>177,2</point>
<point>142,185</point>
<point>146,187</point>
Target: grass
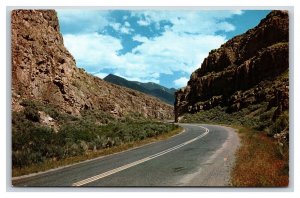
<point>50,164</point>
<point>261,161</point>
<point>38,147</point>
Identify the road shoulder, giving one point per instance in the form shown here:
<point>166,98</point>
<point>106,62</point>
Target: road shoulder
<point>216,170</point>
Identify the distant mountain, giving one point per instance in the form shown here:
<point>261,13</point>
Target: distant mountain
<point>154,86</point>
<point>156,90</point>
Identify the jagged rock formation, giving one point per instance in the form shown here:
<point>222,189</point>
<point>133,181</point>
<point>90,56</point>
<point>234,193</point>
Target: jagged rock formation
<point>44,70</point>
<point>240,71</point>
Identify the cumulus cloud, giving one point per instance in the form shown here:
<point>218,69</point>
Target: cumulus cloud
<point>204,22</point>
<point>181,82</point>
<point>173,52</point>
<point>96,52</point>
<point>115,26</point>
<point>180,49</point>
<point>143,22</point>
<point>166,54</point>
<point>93,51</point>
<point>140,38</point>
<point>125,29</point>
<point>127,24</point>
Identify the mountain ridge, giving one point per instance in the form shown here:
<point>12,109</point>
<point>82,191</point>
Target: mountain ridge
<point>163,93</point>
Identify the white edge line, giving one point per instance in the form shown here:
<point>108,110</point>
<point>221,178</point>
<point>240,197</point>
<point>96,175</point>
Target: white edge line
<point>89,160</point>
<point>124,167</point>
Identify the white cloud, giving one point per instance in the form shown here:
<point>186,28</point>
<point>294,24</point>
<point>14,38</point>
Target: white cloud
<point>237,12</point>
<point>204,22</point>
<point>227,27</point>
<point>166,54</point>
<point>115,26</point>
<point>94,51</point>
<point>127,24</point>
<point>125,29</point>
<point>180,49</point>
<point>140,38</point>
<point>101,75</point>
<point>143,23</point>
<point>181,82</point>
<point>144,80</point>
<point>175,52</point>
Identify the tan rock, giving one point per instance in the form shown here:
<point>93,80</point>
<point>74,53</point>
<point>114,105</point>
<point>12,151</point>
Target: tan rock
<point>239,65</point>
<point>44,70</point>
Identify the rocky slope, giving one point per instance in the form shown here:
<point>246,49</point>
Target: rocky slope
<point>44,70</point>
<point>242,71</point>
<point>158,91</point>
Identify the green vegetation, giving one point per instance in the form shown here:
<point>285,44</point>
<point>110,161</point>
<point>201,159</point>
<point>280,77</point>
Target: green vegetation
<point>257,117</point>
<point>281,123</point>
<point>163,93</point>
<point>36,144</point>
<point>261,160</point>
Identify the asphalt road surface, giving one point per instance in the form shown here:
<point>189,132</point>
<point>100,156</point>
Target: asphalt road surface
<point>202,155</point>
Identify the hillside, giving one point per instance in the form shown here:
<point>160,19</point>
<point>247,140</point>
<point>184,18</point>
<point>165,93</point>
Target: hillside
<point>242,72</point>
<point>245,84</point>
<point>154,86</point>
<point>158,91</point>
<point>60,113</point>
<point>44,70</point>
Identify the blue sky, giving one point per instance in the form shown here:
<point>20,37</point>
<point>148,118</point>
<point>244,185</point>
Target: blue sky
<point>161,46</point>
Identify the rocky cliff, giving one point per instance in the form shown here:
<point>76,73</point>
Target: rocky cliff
<point>44,70</point>
<point>242,70</point>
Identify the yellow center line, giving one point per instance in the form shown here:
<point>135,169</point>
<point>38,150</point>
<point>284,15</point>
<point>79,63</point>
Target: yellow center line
<point>119,169</point>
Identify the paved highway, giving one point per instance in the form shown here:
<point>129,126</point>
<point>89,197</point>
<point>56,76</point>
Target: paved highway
<point>200,156</point>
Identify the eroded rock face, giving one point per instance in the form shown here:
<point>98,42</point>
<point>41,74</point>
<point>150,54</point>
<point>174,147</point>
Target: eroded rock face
<point>234,74</point>
<point>43,69</point>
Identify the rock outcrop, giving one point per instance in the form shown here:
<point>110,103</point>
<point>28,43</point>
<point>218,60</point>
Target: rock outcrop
<point>44,70</point>
<point>238,73</point>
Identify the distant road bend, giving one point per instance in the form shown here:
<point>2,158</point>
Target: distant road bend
<point>200,156</point>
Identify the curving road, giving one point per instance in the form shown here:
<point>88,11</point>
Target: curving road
<point>200,156</point>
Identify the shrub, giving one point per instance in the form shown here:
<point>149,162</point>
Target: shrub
<point>28,103</point>
<point>281,123</point>
<point>33,143</point>
<point>32,113</point>
<point>52,112</point>
<point>97,116</point>
<point>83,146</point>
<point>20,158</point>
